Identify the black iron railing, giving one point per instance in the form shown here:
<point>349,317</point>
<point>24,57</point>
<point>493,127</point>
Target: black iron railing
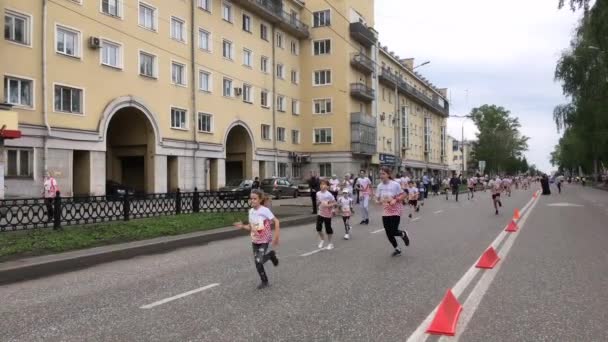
<point>33,213</point>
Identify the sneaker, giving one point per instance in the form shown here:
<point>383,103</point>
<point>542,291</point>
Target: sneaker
<point>410,215</point>
<point>321,244</point>
<point>330,246</point>
<point>263,285</point>
<point>406,238</point>
<point>367,221</point>
<point>346,236</point>
<point>273,258</point>
<point>362,222</point>
<point>496,211</point>
<point>397,252</point>
<point>417,209</point>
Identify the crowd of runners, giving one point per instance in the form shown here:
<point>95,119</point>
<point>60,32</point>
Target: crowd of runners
<point>397,194</point>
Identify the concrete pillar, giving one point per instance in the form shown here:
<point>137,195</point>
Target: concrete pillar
<point>200,179</point>
<point>255,169</point>
<point>97,182</point>
<point>219,172</point>
<point>160,174</point>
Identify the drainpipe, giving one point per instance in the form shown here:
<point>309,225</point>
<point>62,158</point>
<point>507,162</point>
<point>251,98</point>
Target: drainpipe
<point>376,93</point>
<point>193,94</point>
<point>45,114</point>
<point>274,104</point>
<point>397,118</point>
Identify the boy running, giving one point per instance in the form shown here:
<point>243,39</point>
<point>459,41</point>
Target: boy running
<point>413,195</point>
<point>471,185</point>
<point>390,195</point>
<point>345,203</point>
<point>325,202</point>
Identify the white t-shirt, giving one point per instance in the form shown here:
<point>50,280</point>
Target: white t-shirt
<point>345,203</point>
<point>365,186</point>
<point>413,193</point>
<point>334,184</point>
<point>387,192</point>
<point>260,220</point>
<point>325,210</point>
<point>347,184</point>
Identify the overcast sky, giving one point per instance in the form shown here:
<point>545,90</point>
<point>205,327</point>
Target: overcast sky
<point>502,52</point>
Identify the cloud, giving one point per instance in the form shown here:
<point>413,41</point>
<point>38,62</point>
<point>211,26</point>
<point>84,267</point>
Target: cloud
<point>497,52</point>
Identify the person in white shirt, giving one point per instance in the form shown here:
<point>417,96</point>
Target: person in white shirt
<point>334,185</point>
<point>347,184</point>
<point>365,190</point>
<point>390,195</point>
<point>496,188</point>
<point>326,202</point>
<point>413,195</point>
<point>345,204</point>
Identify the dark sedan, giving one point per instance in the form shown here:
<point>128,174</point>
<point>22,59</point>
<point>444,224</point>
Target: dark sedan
<point>236,189</point>
<point>279,187</point>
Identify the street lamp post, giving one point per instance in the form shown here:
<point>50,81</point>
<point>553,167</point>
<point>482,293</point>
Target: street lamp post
<point>422,64</point>
<point>462,137</point>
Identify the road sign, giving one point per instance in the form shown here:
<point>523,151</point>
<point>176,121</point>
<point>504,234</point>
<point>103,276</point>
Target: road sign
<point>482,165</point>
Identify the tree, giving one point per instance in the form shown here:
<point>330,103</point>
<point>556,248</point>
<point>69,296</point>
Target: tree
<point>499,141</point>
<point>575,4</point>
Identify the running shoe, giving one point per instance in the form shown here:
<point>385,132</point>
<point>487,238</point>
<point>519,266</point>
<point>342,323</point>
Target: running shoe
<point>330,246</point>
<point>321,244</point>
<point>410,215</point>
<point>263,285</point>
<point>273,258</point>
<point>362,222</point>
<point>496,211</point>
<point>406,238</point>
<point>346,236</point>
<point>397,252</point>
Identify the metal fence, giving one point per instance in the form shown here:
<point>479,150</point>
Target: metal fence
<point>32,213</point>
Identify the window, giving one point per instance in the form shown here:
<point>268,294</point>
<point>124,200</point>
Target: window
<point>18,91</point>
<point>390,97</point>
<point>322,47</point>
<point>246,23</point>
<point>295,50</point>
<point>227,87</point>
<point>247,93</point>
<point>204,123</point>
<point>17,27</point>
<point>264,64</point>
<point>147,64</point>
<point>178,73</point>
<point>280,40</point>
<point>443,140</point>
<point>280,71</point>
<point>227,12</point>
<point>282,170</point>
<point>295,77</point>
<point>204,81</point>
<point>227,49</point>
<point>281,134</point>
<point>264,32</point>
<point>111,54</point>
<point>18,163</point>
<point>295,136</point>
<point>325,170</point>
<point>280,103</point>
<point>68,42</point>
<point>264,98</point>
<point>178,118</point>
<point>147,16</point>
<point>178,29</point>
<point>322,135</point>
<point>110,7</point>
<point>204,40</point>
<point>295,107</point>
<point>322,77</point>
<point>296,171</point>
<point>322,106</point>
<point>405,128</point>
<point>266,132</point>
<point>205,5</point>
<point>247,58</point>
<point>68,100</point>
<point>427,134</point>
<point>321,18</point>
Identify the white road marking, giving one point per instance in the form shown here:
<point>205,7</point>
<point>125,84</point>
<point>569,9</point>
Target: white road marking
<point>420,333</point>
<point>313,252</point>
<point>415,219</point>
<point>471,304</point>
<point>563,205</point>
<point>166,300</point>
<point>438,212</point>
<point>377,231</point>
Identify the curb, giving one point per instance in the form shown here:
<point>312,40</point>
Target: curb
<point>42,266</point>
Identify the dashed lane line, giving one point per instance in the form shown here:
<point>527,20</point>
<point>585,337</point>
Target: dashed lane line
<point>181,295</point>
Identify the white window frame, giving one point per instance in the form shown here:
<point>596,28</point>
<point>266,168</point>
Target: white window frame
<point>312,18</point>
<point>154,27</point>
<point>295,107</point>
<point>231,50</point>
<point>314,78</point>
<point>323,44</point>
<point>31,161</point>
<point>154,64</point>
<point>243,15</point>
<point>185,128</point>
<point>230,90</point>
<point>264,31</point>
<point>281,103</point>
<point>323,170</point>
<point>119,9</point>
<point>251,99</point>
<point>264,66</point>
<point>265,127</point>
<point>198,122</point>
<point>227,5</point>
<point>202,31</point>
<point>32,93</point>
<point>281,137</point>
<point>280,38</point>
<point>296,79</point>
<point>208,7</point>
<point>281,68</point>
<point>247,62</point>
<point>82,99</point>
<point>331,132</point>
<point>183,76</point>
<point>77,41</point>
<point>295,133</point>
<point>262,98</point>
<point>209,82</point>
<point>295,47</point>
<point>325,101</point>
<point>183,39</point>
<point>29,24</point>
<point>119,49</point>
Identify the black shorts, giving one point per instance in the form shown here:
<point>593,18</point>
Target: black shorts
<point>495,196</point>
<point>324,221</point>
<point>413,202</point>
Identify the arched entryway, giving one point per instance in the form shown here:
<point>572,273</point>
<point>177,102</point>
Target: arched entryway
<point>130,143</point>
<point>239,154</point>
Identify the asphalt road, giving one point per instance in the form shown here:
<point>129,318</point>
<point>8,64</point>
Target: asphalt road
<point>549,287</point>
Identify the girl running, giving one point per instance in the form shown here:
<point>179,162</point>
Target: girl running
<point>413,195</point>
<point>496,186</point>
<point>471,186</point>
<point>446,187</point>
<point>365,189</point>
<point>326,202</point>
<point>334,185</point>
<point>390,194</point>
<point>260,219</point>
<point>345,203</point>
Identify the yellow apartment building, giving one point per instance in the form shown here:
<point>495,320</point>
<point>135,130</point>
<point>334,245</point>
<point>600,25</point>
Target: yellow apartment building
<point>159,95</point>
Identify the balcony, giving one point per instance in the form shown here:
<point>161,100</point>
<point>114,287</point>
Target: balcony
<point>293,26</point>
<point>363,133</point>
<point>362,92</point>
<point>269,10</point>
<point>388,78</point>
<point>363,34</point>
<point>433,103</point>
<point>362,63</point>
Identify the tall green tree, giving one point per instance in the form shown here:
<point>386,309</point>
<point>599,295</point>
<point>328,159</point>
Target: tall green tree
<point>499,141</point>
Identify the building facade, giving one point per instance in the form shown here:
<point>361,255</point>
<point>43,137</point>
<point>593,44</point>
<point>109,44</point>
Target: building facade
<point>160,95</point>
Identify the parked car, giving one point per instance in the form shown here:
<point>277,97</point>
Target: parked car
<point>303,187</point>
<point>236,189</point>
<point>279,187</point>
<point>117,190</point>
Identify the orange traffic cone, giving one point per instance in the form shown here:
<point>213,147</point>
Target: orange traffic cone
<point>446,317</point>
<point>512,227</point>
<point>488,259</point>
<point>516,214</point>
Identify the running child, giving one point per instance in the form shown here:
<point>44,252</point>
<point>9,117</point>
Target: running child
<point>390,195</point>
<point>260,219</point>
<point>421,195</point>
<point>496,186</point>
<point>413,196</point>
<point>334,185</point>
<point>345,203</point>
<point>326,202</point>
<point>471,185</point>
<point>365,190</point>
<point>446,187</point>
